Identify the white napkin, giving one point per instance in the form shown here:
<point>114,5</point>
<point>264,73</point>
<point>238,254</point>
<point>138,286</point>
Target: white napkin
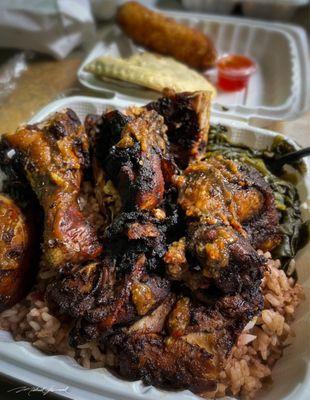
<point>54,27</point>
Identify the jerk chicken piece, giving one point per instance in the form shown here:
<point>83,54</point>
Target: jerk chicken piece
<point>220,199</point>
<point>181,344</point>
<point>131,152</point>
<point>17,253</point>
<point>186,116</point>
<point>132,163</point>
<point>186,123</point>
<point>100,298</point>
<point>52,156</point>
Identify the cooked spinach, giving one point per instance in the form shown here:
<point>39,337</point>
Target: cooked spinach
<point>295,232</point>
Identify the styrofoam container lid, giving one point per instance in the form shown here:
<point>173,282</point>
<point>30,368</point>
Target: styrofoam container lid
<point>61,374</point>
<point>277,91</point>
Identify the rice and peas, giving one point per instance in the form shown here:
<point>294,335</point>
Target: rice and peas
<point>259,346</point>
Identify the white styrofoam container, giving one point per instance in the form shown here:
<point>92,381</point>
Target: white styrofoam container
<point>291,375</point>
<point>266,9</point>
<point>278,89</point>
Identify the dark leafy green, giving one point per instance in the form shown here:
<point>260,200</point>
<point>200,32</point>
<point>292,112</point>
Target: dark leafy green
<point>295,232</point>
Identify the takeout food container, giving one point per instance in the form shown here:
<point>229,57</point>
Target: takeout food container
<point>62,374</point>
<point>266,9</point>
<point>276,91</point>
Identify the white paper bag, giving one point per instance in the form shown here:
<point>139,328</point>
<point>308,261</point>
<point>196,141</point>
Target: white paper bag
<point>54,27</point>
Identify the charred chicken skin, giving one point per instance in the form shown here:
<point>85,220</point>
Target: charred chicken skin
<point>186,116</point>
<point>52,156</point>
<point>182,344</point>
<point>17,253</point>
<point>133,151</point>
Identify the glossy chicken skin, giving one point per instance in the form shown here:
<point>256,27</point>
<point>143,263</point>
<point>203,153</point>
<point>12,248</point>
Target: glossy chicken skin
<point>17,247</point>
<point>216,190</point>
<point>52,156</point>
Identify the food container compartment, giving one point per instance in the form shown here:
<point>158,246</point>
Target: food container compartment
<point>212,6</point>
<point>276,90</point>
<point>281,10</point>
<point>291,375</point>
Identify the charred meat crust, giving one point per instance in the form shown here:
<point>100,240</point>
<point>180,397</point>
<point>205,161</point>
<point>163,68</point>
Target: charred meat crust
<point>133,151</point>
<point>147,357</point>
<point>188,358</point>
<point>186,116</point>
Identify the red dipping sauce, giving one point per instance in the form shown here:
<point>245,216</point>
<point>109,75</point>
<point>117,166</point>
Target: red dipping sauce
<point>234,72</point>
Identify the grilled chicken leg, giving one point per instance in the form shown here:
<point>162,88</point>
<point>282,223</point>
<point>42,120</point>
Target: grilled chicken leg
<point>52,156</point>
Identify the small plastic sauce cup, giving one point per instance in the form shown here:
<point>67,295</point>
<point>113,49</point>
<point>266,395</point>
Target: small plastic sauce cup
<point>234,72</point>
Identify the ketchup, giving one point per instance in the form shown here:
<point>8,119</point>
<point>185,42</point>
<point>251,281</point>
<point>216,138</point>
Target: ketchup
<point>234,72</point>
